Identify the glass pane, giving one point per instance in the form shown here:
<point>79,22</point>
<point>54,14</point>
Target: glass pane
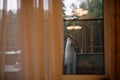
<point>90,35</point>
<point>82,9</point>
<point>83,47</point>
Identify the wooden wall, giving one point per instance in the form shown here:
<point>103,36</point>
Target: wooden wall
<point>115,39</point>
<point>118,37</point>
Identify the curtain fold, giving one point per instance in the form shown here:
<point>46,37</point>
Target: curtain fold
<point>55,39</point>
<point>2,40</point>
<point>31,40</point>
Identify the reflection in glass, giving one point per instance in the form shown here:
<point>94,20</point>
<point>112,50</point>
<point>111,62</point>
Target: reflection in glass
<point>83,37</point>
<point>82,9</point>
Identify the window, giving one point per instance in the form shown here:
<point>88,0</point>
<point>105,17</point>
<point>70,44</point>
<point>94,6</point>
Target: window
<point>83,37</point>
<point>9,35</point>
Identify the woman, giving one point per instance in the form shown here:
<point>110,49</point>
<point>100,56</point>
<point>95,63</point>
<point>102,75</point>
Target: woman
<point>70,56</point>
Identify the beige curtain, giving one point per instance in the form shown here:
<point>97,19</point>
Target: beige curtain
<point>31,35</point>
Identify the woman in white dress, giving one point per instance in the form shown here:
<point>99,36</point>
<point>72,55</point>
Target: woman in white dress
<point>70,56</point>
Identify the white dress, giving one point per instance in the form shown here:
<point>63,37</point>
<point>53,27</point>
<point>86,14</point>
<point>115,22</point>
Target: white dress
<point>70,57</point>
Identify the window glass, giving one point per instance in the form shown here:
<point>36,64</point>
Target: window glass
<point>82,9</point>
<point>83,37</point>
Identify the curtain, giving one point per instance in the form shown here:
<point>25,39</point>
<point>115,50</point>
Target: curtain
<point>31,37</point>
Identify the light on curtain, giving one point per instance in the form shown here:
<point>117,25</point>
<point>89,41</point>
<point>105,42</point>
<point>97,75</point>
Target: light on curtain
<point>29,32</point>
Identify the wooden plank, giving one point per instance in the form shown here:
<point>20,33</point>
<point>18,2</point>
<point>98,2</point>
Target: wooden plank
<point>113,41</point>
<point>118,37</point>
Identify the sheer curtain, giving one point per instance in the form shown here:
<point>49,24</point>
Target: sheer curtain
<point>31,38</point>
